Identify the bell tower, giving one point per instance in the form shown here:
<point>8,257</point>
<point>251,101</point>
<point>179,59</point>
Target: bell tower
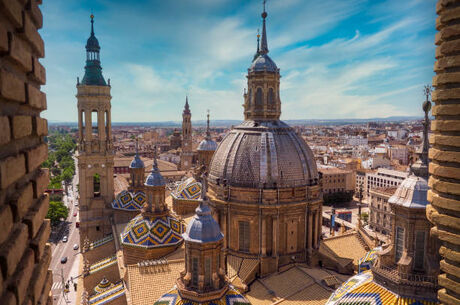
<point>95,152</point>
<point>186,156</point>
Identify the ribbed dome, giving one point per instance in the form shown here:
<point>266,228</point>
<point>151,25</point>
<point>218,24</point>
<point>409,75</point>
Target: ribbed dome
<point>137,162</point>
<point>207,145</point>
<point>263,63</point>
<point>203,228</point>
<point>263,154</point>
<point>411,193</point>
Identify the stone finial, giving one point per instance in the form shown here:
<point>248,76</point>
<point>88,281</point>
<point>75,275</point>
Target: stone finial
<point>86,244</point>
<point>84,298</point>
<point>86,267</point>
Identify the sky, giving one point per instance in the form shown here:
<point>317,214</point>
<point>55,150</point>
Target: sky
<point>338,59</point>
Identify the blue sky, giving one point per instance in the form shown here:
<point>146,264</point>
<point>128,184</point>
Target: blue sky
<point>338,58</point>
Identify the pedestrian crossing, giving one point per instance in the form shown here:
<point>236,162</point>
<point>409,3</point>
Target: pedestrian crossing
<point>56,286</point>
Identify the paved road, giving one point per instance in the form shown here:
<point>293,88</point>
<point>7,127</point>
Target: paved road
<point>63,272</point>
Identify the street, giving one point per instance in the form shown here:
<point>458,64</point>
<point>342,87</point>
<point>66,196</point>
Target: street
<point>62,273</point>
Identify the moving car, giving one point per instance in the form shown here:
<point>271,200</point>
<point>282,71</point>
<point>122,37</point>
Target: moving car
<point>75,247</point>
<point>65,239</point>
<point>64,260</point>
<point>75,214</point>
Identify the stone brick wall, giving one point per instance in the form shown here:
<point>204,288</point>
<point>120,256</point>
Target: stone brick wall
<point>444,168</point>
<point>24,252</point>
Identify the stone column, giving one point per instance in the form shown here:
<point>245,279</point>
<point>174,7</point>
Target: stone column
<point>101,125</point>
<point>275,235</point>
<point>315,236</point>
<point>80,125</point>
<point>310,230</point>
<point>223,227</point>
<point>264,235</point>
<point>88,126</point>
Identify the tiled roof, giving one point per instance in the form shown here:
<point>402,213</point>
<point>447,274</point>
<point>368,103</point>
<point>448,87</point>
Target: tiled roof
<point>100,242</point>
<point>102,264</point>
<point>188,189</point>
<point>108,295</point>
<point>128,201</point>
<point>361,289</point>
<point>346,246</point>
<point>231,297</point>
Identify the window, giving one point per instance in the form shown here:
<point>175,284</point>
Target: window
<point>96,185</point>
<point>94,122</point>
<point>195,271</point>
<point>244,236</point>
<point>399,243</point>
<point>419,249</point>
<point>250,98</point>
<point>259,97</point>
<point>207,272</point>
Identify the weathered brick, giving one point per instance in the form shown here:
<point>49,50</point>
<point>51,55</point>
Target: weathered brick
<point>22,126</point>
<point>36,156</point>
<point>41,182</point>
<point>12,250</point>
<point>13,9</point>
<point>11,169</point>
<point>5,134</point>
<point>21,53</point>
<point>6,222</point>
<point>20,280</point>
<point>38,71</point>
<point>36,98</point>
<point>3,39</point>
<point>39,242</point>
<point>35,13</point>
<point>11,87</point>
<point>8,298</point>
<point>46,289</point>
<point>39,276</point>
<point>35,216</point>
<point>31,33</point>
<point>23,201</point>
<point>41,126</point>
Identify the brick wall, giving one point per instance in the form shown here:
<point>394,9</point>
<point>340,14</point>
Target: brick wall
<point>24,253</point>
<point>444,168</point>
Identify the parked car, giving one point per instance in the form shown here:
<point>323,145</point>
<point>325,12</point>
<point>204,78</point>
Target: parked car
<point>65,239</point>
<point>75,214</point>
<point>75,247</point>
<point>64,260</point>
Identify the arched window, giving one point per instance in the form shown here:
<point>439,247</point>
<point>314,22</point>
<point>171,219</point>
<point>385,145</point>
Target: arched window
<point>207,272</point>
<point>419,250</point>
<point>271,99</point>
<point>259,97</point>
<point>94,123</point>
<point>399,243</point>
<point>97,185</point>
<point>195,271</point>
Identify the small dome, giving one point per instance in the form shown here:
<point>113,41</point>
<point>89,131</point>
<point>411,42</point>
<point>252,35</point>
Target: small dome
<point>263,63</point>
<point>190,189</point>
<point>155,178</point>
<point>207,145</point>
<point>103,285</point>
<point>136,162</point>
<point>128,201</point>
<point>203,228</point>
<point>149,231</point>
<point>411,193</point>
<point>92,44</point>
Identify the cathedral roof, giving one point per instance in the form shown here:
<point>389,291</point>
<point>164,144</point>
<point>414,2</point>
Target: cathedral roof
<point>155,178</point>
<point>93,70</point>
<point>362,289</point>
<point>263,154</point>
<point>109,294</point>
<point>231,297</point>
<point>104,284</point>
<point>150,231</point>
<point>411,193</point>
<point>189,189</point>
<point>128,201</point>
<point>368,260</point>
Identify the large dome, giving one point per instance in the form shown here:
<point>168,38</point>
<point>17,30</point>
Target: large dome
<point>263,154</point>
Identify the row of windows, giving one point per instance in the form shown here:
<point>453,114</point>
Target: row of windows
<point>420,237</point>
<point>259,98</point>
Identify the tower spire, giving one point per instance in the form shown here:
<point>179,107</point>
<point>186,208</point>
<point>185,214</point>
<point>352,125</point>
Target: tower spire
<point>420,168</point>
<point>264,44</point>
<point>92,25</point>
<point>258,44</point>
<point>208,133</point>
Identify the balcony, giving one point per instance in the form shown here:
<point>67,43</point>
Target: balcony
<point>409,279</point>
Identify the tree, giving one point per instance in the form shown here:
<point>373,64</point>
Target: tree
<point>56,211</point>
<point>365,217</point>
<point>67,175</point>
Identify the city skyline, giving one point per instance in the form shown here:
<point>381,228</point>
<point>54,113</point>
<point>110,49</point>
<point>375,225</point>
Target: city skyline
<point>348,62</point>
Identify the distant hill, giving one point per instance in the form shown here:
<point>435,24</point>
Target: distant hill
<point>228,123</point>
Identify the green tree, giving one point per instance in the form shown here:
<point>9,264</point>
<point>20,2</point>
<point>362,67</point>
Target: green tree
<point>56,211</point>
<point>365,217</point>
<point>67,175</point>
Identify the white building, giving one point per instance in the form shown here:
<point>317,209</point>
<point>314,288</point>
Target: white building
<point>384,178</point>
